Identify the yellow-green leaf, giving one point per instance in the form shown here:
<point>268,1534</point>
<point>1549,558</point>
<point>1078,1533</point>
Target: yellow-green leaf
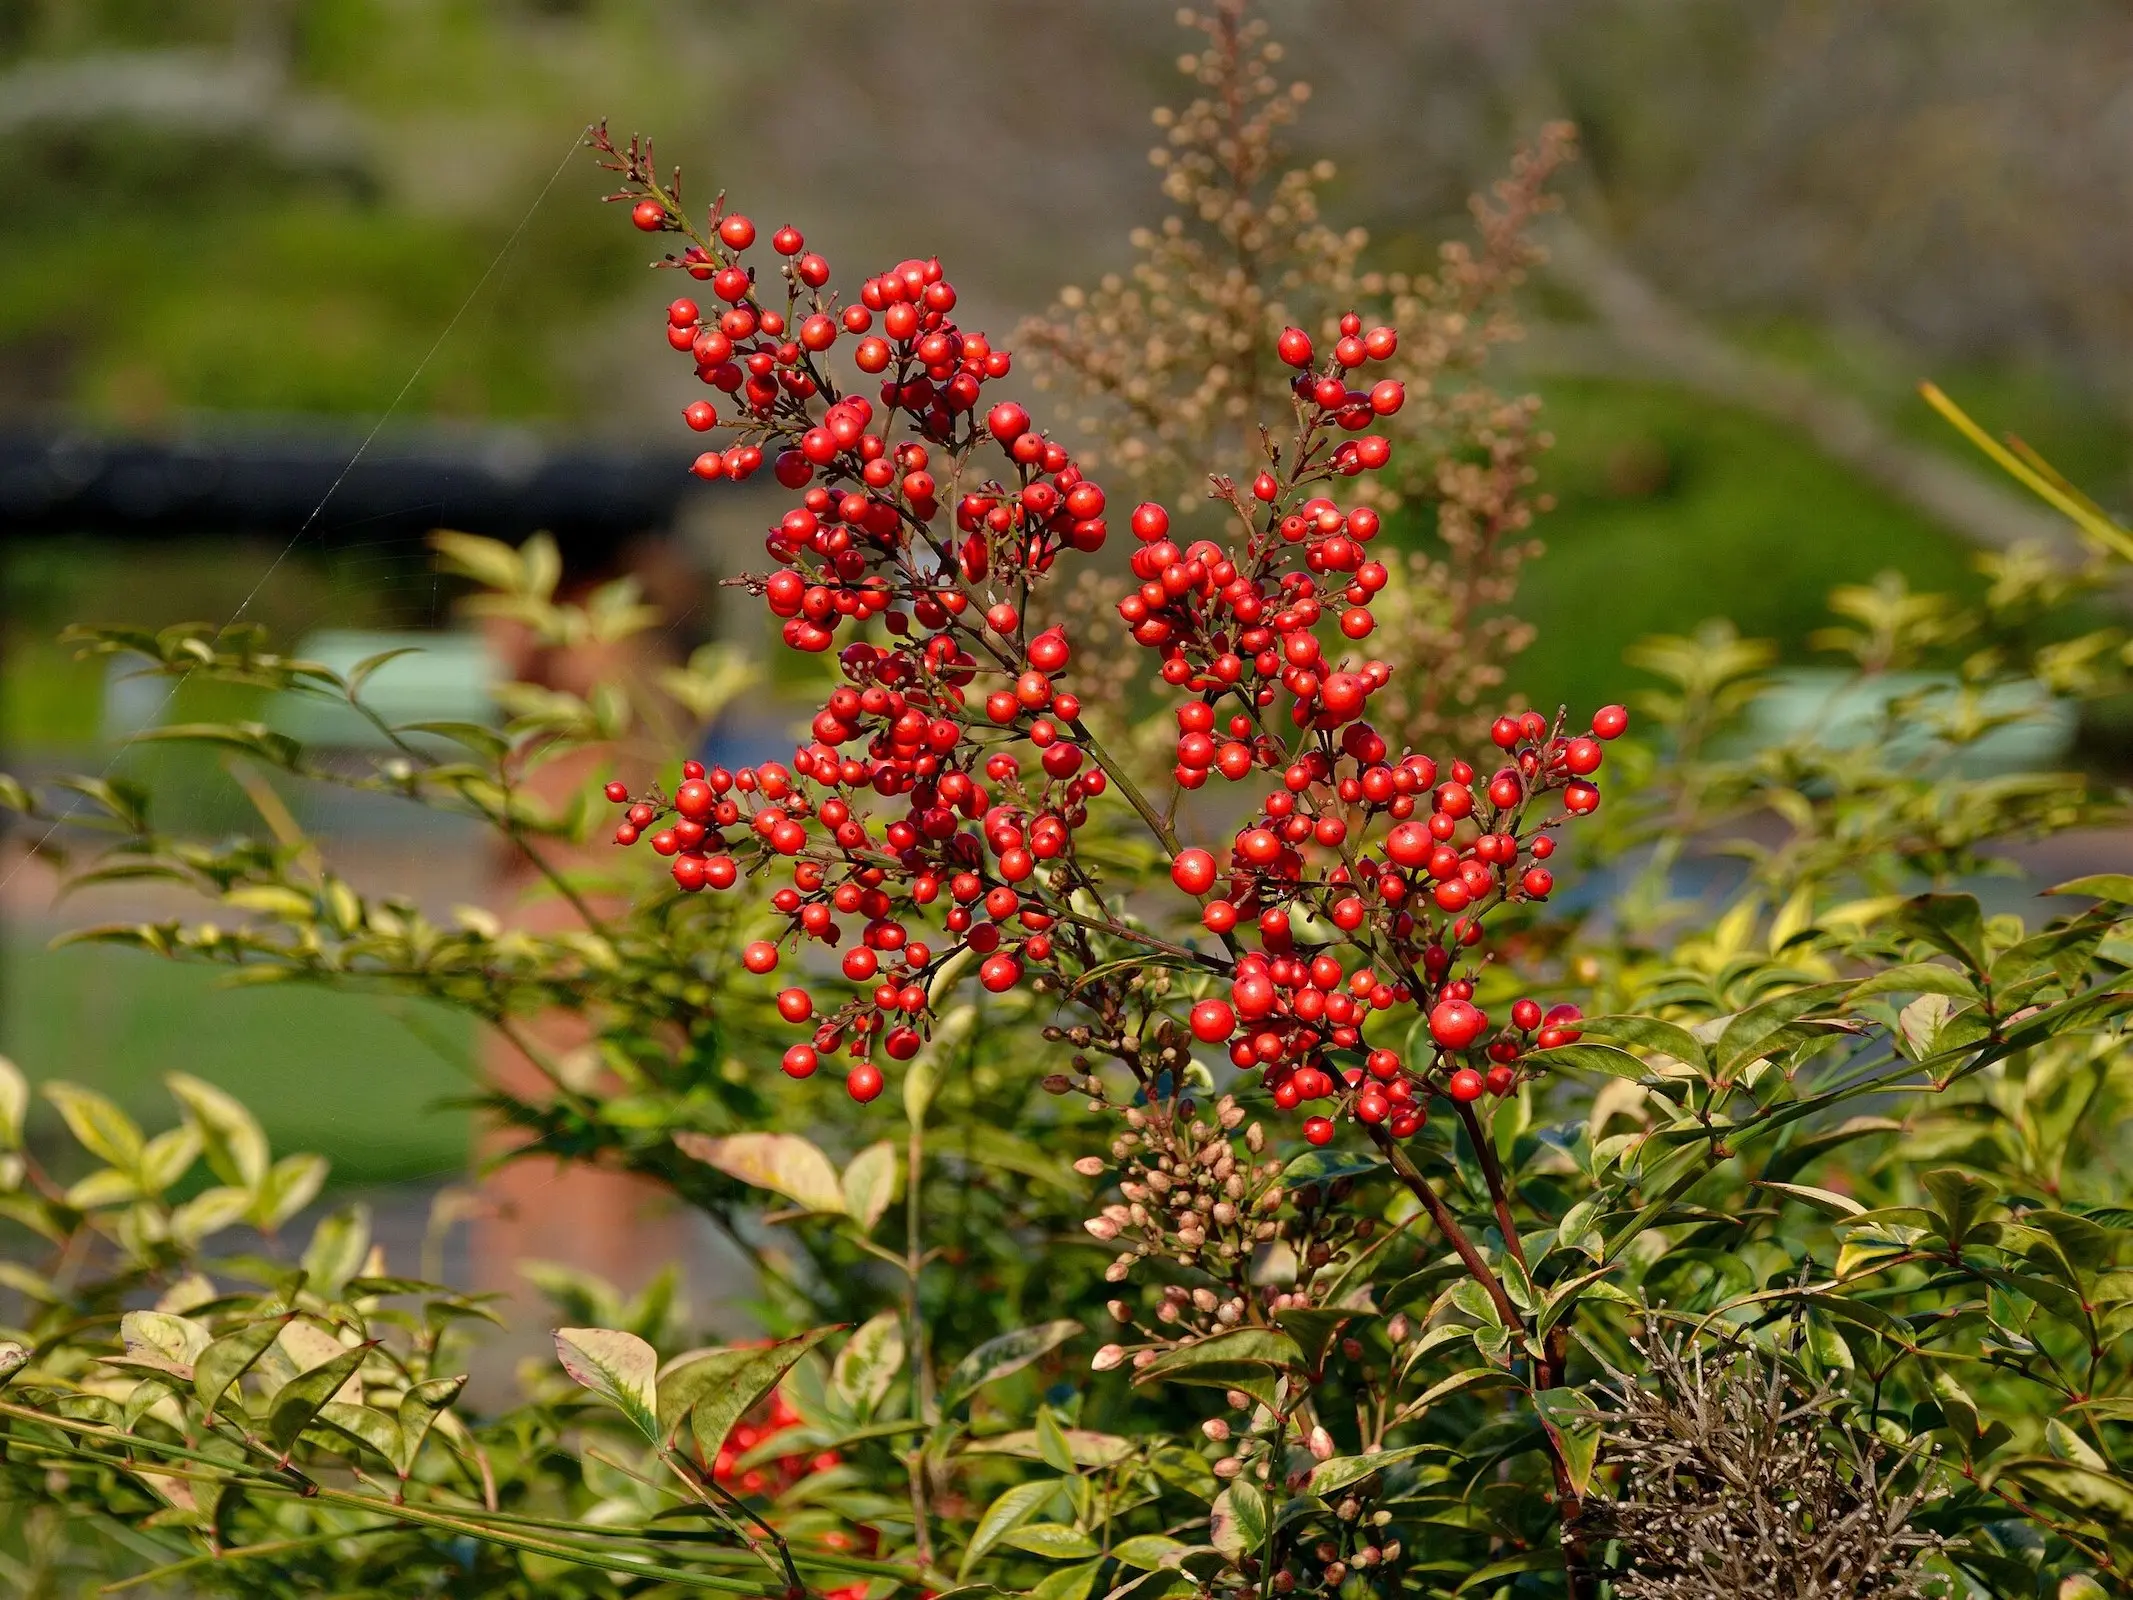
<point>618,1367</point>
<point>783,1163</point>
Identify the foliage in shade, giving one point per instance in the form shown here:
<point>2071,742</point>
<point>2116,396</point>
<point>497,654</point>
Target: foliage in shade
<point>1800,1230</point>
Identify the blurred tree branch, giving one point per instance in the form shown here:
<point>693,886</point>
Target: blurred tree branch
<point>1641,323</point>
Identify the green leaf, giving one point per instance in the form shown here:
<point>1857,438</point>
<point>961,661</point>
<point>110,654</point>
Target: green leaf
<point>291,1183</point>
<point>1248,1359</point>
<point>868,1363</point>
<point>14,1104</point>
<point>2104,1495</point>
<point>489,562</point>
<point>1055,1541</point>
<point>365,1424</point>
<point>230,1357</point>
<point>339,1246</point>
<point>231,1138</point>
<point>208,1212</point>
<point>714,1389</point>
<point>1956,1404</point>
<point>1458,1383</point>
<point>1052,1445</point>
<point>1573,1423</point>
<point>1950,922</point>
<point>168,1157</point>
<point>1650,1033</point>
<point>1150,1551</point>
<point>296,1402</point>
<point>1923,977</point>
<point>1328,1166</point>
<point>1087,1448</point>
<point>157,1334</point>
<point>618,1367</point>
<point>783,1163</point>
<point>97,1124</point>
<point>1961,1198</point>
<point>1068,1583</point>
<point>1313,1327</point>
<point>1008,1512</point>
<point>2116,887</point>
<point>1331,1476</point>
<point>1605,1058</point>
<point>1543,1560</point>
<point>2068,1445</point>
<point>1010,1352</point>
<point>1240,1519</point>
<point>419,1409</point>
<point>1826,1201</point>
<point>13,1358</point>
<point>106,1186</point>
<point>869,1184</point>
<point>1563,1297</point>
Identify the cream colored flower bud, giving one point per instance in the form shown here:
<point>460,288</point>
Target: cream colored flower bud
<point>1107,1358</point>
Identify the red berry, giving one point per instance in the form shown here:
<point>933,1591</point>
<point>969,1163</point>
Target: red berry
<point>1193,871</point>
<point>1465,1085</point>
<point>1501,1080</point>
<point>1582,756</point>
<point>1455,1024</point>
<point>1213,1021</point>
<point>1007,422</point>
<point>1526,1015</point>
<point>795,1005</point>
<point>617,791</point>
<point>800,1061</point>
<point>1610,722</point>
<point>863,1082</point>
<point>700,415</point>
<point>737,232</point>
<point>1319,1130</point>
<point>1294,347</point>
<point>787,241</point>
<point>760,957</point>
<point>649,215</point>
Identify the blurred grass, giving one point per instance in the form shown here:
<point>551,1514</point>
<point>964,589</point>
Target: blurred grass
<point>351,1076</point>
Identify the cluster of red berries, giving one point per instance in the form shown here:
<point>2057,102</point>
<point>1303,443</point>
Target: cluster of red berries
<point>947,775</point>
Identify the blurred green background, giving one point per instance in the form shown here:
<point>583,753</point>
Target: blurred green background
<point>227,214</point>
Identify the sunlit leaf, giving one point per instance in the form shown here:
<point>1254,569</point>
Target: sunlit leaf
<point>618,1367</point>
<point>783,1163</point>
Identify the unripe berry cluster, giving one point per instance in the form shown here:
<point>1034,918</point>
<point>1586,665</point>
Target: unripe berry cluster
<point>931,818</point>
